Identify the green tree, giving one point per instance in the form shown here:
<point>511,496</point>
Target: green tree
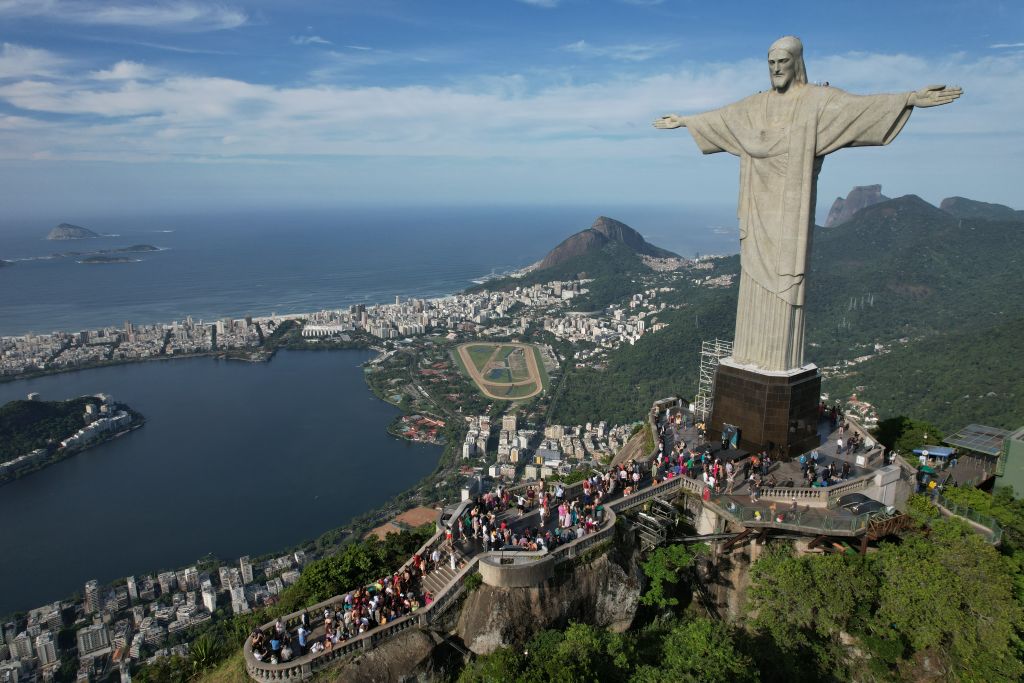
<point>905,434</point>
<point>952,595</point>
<point>579,654</point>
<point>666,565</point>
<point>204,653</point>
<point>698,651</point>
<point>798,600</point>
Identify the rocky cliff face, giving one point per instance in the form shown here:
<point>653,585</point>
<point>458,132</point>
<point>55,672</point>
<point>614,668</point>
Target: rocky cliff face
<point>859,198</point>
<point>602,232</point>
<point>604,592</point>
<point>395,659</point>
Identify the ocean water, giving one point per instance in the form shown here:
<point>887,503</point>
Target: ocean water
<point>236,264</point>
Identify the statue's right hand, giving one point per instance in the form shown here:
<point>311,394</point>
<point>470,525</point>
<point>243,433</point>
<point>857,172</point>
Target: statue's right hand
<point>670,121</point>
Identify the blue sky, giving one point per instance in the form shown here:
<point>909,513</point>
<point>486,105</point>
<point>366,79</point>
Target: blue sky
<point>171,104</point>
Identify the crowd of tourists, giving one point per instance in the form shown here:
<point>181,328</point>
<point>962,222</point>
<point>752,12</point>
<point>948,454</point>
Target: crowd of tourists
<point>722,474</point>
<point>490,522</point>
<point>561,518</point>
<point>359,611</point>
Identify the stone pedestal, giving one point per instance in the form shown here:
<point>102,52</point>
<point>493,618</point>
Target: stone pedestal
<point>771,409</point>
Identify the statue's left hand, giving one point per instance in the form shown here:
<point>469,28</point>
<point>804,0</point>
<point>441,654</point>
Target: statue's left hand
<point>934,95</point>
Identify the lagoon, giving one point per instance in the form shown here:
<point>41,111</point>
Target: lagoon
<point>235,459</point>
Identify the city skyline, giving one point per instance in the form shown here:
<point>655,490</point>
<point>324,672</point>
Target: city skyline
<point>143,106</point>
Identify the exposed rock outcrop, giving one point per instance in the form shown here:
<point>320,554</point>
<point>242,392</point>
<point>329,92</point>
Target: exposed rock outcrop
<point>859,198</point>
<point>604,592</point>
<point>393,660</point>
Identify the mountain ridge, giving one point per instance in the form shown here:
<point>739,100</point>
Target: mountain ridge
<point>603,232</point>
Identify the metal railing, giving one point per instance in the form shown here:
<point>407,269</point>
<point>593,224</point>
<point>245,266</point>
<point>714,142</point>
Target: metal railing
<point>971,515</point>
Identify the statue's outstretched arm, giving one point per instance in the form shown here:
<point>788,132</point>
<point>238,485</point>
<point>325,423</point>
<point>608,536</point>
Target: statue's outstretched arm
<point>933,96</point>
<point>670,121</point>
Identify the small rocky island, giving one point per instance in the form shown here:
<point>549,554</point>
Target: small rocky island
<point>118,255</point>
<point>108,258</point>
<point>67,231</point>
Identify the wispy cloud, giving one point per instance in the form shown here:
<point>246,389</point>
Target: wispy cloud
<point>513,117</point>
<point>124,71</point>
<point>548,4</point>
<point>310,40</point>
<point>168,14</point>
<point>629,52</point>
<point>18,61</point>
<point>1000,46</point>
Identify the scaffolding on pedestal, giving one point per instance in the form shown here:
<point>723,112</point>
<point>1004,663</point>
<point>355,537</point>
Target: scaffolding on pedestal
<point>710,353</point>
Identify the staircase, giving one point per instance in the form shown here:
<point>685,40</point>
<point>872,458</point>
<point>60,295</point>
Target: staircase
<point>438,579</point>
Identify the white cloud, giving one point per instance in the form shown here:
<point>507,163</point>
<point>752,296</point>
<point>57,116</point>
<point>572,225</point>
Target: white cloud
<point>548,4</point>
<point>516,117</point>
<point>168,14</point>
<point>18,61</point>
<point>628,52</point>
<point>998,46</point>
<point>310,40</point>
<point>124,71</point>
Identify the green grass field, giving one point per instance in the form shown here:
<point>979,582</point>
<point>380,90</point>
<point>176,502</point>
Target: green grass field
<point>517,366</point>
<point>499,376</point>
<point>544,379</point>
<point>517,392</point>
<point>481,353</point>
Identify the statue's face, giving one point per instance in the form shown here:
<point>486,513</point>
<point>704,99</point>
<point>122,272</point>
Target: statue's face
<point>782,69</point>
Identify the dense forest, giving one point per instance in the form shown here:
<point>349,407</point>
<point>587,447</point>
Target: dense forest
<point>28,425</point>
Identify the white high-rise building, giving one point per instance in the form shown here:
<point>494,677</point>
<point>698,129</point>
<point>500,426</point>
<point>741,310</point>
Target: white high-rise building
<point>191,579</point>
<point>21,647</point>
<point>46,649</point>
<point>92,596</point>
<point>239,604</point>
<point>209,598</point>
<point>92,639</point>
<point>133,588</point>
<point>246,566</point>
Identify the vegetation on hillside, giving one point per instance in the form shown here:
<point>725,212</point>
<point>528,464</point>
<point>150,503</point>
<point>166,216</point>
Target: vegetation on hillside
<point>951,379</point>
<point>28,425</point>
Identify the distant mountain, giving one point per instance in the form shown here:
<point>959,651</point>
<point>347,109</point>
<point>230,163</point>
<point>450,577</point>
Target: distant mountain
<point>5,263</point>
<point>603,232</point>
<point>859,198</point>
<point>905,268</point>
<point>67,231</point>
<point>969,208</point>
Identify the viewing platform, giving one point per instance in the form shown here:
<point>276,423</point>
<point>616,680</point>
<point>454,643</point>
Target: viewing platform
<point>814,515</point>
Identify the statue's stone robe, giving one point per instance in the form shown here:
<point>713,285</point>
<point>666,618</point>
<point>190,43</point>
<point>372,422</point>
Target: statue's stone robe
<point>781,141</point>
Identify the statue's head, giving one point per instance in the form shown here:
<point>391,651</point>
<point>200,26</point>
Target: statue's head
<point>786,63</point>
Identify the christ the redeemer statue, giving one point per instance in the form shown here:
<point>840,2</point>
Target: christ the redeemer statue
<point>781,137</point>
